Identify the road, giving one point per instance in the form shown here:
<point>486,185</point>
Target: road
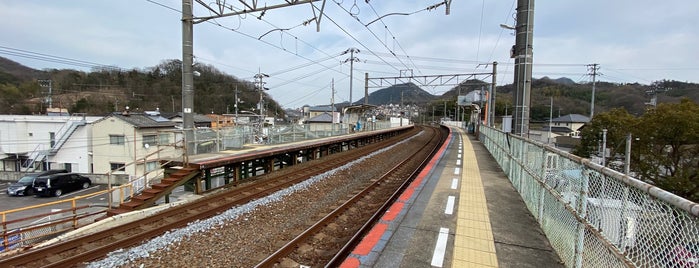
<point>15,202</point>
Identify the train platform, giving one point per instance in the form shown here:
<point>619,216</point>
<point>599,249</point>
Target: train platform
<point>461,211</point>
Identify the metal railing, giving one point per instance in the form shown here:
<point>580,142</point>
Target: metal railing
<point>215,140</point>
<point>594,216</point>
<point>47,221</point>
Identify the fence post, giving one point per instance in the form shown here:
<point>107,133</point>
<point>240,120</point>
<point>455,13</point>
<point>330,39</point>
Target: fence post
<point>520,173</point>
<point>544,178</point>
<point>75,214</point>
<point>583,214</point>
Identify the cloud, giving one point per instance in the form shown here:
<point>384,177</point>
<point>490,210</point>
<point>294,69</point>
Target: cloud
<point>632,40</point>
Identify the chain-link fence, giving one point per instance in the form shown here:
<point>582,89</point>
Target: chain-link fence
<point>594,216</point>
<point>215,140</point>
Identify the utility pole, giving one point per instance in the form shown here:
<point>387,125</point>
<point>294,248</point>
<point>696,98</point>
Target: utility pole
<point>457,103</point>
<point>188,75</point>
<point>593,68</point>
<point>523,65</point>
<point>366,88</point>
<point>188,21</point>
<point>445,110</point>
<point>491,118</point>
<point>604,147</point>
<point>548,139</point>
<point>236,104</point>
<point>332,104</point>
<point>260,85</point>
<point>351,60</point>
<point>49,84</point>
<point>627,155</point>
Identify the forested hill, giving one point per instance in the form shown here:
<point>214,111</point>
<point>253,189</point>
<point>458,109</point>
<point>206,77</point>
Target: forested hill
<point>102,91</point>
<point>575,98</point>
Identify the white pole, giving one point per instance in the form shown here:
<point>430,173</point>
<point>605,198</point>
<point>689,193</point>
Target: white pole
<point>548,140</point>
<point>604,146</point>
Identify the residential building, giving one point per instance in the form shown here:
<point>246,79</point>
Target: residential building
<point>567,125</point>
<point>131,143</point>
<point>41,142</point>
<point>200,121</point>
<point>558,128</point>
<point>221,120</point>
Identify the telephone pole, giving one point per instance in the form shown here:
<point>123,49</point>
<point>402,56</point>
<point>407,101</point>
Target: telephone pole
<point>48,83</point>
<point>593,68</point>
<point>188,20</point>
<point>351,60</point>
<point>523,65</point>
<point>332,105</point>
<point>491,106</point>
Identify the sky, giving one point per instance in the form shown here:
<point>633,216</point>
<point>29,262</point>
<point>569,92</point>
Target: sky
<point>631,40</point>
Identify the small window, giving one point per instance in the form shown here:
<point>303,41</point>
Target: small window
<point>116,167</point>
<point>116,139</point>
<point>164,139</point>
<point>150,140</point>
<point>150,166</point>
<point>52,139</point>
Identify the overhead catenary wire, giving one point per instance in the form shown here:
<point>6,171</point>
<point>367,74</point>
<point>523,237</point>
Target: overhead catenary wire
<point>216,23</point>
<point>393,36</point>
<point>52,58</point>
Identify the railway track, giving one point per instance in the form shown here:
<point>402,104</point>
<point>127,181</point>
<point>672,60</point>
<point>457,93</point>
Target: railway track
<point>324,243</point>
<point>83,249</point>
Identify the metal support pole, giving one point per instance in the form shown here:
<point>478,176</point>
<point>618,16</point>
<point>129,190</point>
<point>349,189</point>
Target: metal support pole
<point>548,138</point>
<point>604,147</point>
<point>582,207</point>
<point>491,123</point>
<point>593,68</point>
<point>352,59</point>
<point>366,88</point>
<point>627,162</point>
<point>523,65</point>
<point>187,74</point>
<point>236,105</point>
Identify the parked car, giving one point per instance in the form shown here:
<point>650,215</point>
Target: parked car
<point>24,185</point>
<point>57,184</point>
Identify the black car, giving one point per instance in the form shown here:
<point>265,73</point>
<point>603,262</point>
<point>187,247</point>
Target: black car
<point>57,184</point>
<point>24,185</point>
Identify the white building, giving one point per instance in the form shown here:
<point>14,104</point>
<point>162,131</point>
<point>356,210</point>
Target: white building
<point>40,142</point>
<point>567,125</point>
<point>132,143</point>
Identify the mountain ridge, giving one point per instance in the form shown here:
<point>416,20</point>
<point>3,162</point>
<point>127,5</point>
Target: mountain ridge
<point>104,91</point>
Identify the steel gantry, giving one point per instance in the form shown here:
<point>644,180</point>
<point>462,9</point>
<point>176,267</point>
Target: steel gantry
<point>436,80</point>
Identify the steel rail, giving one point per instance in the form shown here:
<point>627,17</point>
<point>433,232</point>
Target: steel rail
<point>291,246</point>
<point>94,246</point>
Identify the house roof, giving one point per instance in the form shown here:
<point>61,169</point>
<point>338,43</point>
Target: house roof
<point>144,120</point>
<point>321,118</point>
<point>198,118</point>
<point>572,118</point>
<point>556,129</point>
<point>321,109</point>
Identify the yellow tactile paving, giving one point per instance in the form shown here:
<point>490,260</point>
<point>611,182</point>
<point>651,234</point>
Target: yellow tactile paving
<point>473,243</point>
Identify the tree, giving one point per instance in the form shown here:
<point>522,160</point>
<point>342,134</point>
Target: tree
<point>666,152</point>
<point>618,123</point>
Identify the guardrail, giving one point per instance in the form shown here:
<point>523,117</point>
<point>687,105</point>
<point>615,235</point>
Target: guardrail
<point>66,215</point>
<point>594,216</point>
